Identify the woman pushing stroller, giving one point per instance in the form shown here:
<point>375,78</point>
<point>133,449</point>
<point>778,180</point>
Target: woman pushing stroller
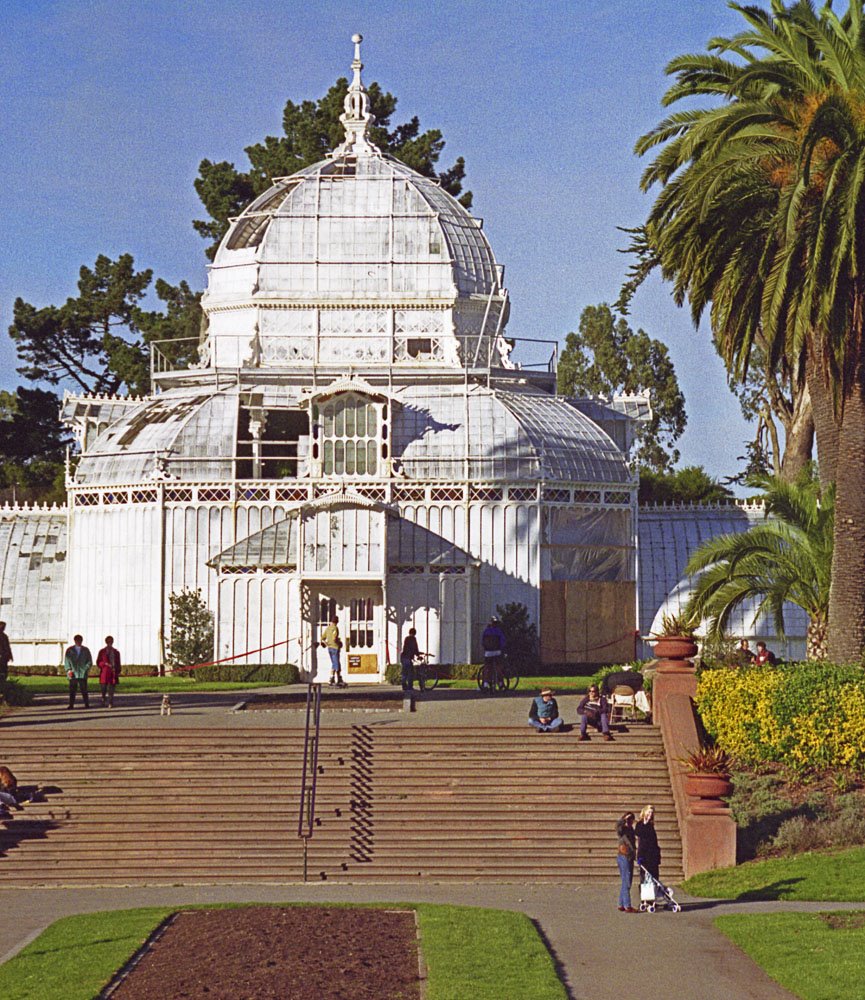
<point>649,860</point>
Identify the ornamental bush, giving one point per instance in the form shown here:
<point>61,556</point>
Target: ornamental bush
<point>805,715</point>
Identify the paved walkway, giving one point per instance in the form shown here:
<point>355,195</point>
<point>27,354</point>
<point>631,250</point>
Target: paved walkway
<point>601,953</point>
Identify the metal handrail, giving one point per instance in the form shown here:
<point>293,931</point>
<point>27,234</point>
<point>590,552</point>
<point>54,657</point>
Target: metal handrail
<point>309,776</point>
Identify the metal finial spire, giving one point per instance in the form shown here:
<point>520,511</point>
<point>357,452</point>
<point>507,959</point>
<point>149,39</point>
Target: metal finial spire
<point>356,117</point>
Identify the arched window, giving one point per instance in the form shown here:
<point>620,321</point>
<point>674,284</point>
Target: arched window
<point>349,431</point>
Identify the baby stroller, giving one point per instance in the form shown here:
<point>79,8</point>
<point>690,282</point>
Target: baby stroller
<point>652,890</point>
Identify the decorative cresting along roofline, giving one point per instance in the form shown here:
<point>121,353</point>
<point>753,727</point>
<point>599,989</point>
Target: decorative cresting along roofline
<point>342,385</point>
<point>356,119</point>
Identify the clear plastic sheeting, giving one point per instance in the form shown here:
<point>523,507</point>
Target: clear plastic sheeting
<point>584,543</point>
<point>588,526</point>
<point>595,563</point>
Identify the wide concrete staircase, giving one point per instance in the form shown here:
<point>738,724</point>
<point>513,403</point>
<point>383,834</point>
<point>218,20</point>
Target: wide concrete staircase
<point>134,807</point>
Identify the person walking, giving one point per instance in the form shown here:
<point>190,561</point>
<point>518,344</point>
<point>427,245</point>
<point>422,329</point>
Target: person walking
<point>78,662</point>
<point>627,852</point>
<point>5,653</point>
<point>410,650</point>
<point>108,662</point>
<point>333,643</point>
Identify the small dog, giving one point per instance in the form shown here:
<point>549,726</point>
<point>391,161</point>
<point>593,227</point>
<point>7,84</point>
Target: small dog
<point>166,705</point>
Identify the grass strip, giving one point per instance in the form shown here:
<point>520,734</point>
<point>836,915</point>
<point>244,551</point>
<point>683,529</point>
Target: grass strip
<point>76,957</point>
<point>830,876</point>
<point>816,956</point>
<point>485,955</point>
<point>470,952</point>
<point>141,685</point>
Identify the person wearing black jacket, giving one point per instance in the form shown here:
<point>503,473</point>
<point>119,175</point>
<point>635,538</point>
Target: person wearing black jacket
<point>648,850</point>
<point>410,650</point>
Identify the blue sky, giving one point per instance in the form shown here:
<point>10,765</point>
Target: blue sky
<point>108,107</point>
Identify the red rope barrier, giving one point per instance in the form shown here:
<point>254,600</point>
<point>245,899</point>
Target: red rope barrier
<point>237,656</point>
<point>626,635</point>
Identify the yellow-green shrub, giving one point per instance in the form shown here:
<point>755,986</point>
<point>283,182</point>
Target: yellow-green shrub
<point>805,715</point>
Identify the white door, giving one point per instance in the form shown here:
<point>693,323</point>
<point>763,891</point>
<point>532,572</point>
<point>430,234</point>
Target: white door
<point>358,611</point>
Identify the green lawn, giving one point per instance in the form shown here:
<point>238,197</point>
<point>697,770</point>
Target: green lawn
<point>837,877</point>
<point>483,954</point>
<point>140,685</point>
<point>816,956</point>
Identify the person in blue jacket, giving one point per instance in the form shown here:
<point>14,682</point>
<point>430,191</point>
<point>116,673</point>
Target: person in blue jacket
<point>544,713</point>
<point>493,642</point>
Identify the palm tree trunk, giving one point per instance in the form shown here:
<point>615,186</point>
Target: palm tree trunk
<point>815,640</point>
<point>823,412</point>
<point>799,437</point>
<point>847,591</point>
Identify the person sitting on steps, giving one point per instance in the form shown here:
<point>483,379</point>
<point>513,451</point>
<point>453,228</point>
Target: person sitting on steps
<point>544,713</point>
<point>593,709</point>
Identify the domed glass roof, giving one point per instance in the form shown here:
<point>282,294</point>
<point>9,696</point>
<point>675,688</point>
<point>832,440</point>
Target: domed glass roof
<point>358,224</point>
<point>438,432</point>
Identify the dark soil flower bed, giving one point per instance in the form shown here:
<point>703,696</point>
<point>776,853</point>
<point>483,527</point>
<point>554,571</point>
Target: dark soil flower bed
<point>275,953</point>
<point>385,700</point>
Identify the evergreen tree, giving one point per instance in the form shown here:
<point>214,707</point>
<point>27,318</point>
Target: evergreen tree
<point>191,637</point>
<point>605,358</point>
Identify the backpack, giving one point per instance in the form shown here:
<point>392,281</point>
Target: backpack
<point>491,640</point>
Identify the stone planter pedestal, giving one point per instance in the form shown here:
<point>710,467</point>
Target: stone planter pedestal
<point>705,792</point>
<point>674,654</point>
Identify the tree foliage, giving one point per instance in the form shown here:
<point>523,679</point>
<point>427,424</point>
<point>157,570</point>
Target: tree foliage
<point>32,445</point>
<point>759,219</point>
<point>689,485</point>
<point>606,358</point>
<point>311,130</point>
<point>787,558</point>
<point>521,635</point>
<point>97,339</point>
<point>191,636</point>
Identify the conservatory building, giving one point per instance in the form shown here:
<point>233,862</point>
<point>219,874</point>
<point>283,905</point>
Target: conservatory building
<point>352,435</point>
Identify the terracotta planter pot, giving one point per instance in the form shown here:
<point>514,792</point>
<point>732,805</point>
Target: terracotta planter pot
<point>708,786</point>
<point>675,647</point>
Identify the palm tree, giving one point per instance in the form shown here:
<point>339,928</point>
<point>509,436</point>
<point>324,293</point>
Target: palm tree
<point>787,558</point>
<point>761,215</point>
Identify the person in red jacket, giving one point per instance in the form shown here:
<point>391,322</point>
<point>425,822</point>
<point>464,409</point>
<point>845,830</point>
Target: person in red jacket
<point>764,656</point>
<point>108,664</point>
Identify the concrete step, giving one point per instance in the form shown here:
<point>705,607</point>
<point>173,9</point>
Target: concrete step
<point>220,805</point>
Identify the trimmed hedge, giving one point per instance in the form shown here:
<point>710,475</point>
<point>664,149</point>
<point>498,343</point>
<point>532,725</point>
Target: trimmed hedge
<point>268,673</point>
<point>56,670</point>
<point>14,694</point>
<point>451,671</point>
<point>805,715</point>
